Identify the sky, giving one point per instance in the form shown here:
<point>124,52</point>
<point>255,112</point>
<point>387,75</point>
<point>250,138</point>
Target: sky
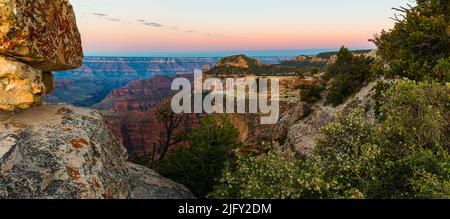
<point>209,27</point>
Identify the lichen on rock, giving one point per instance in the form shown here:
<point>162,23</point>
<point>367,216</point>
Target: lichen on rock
<point>36,37</point>
<point>21,86</point>
<point>65,152</point>
<point>41,33</point>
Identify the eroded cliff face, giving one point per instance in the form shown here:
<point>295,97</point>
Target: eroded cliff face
<point>300,123</point>
<point>253,133</point>
<point>61,151</point>
<point>301,135</point>
<point>137,96</point>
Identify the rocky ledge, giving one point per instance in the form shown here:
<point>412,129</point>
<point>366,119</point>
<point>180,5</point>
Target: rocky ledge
<point>65,152</point>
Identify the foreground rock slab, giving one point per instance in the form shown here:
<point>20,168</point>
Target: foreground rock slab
<point>41,33</point>
<point>21,86</point>
<point>65,152</point>
<point>147,184</point>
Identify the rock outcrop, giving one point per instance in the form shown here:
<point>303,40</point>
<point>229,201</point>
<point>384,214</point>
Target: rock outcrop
<point>147,184</point>
<point>57,151</point>
<point>21,86</point>
<point>35,37</point>
<point>64,152</point>
<point>239,61</point>
<point>41,33</point>
<point>302,133</point>
<point>300,123</point>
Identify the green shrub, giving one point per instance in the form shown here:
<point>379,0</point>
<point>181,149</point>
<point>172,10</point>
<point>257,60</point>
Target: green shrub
<point>430,174</point>
<point>348,73</point>
<point>347,152</point>
<point>275,175</point>
<point>380,88</point>
<point>442,69</point>
<point>311,93</point>
<point>143,160</point>
<point>199,166</point>
<point>314,71</point>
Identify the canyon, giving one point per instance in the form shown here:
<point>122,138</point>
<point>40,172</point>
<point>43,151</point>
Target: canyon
<point>128,91</point>
<point>98,76</point>
<point>130,112</point>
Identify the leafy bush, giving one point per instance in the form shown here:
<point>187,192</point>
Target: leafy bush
<point>348,154</point>
<point>311,93</point>
<point>380,88</point>
<point>199,166</point>
<point>275,175</point>
<point>314,71</point>
<point>414,127</point>
<point>442,69</point>
<point>349,73</point>
<point>143,160</point>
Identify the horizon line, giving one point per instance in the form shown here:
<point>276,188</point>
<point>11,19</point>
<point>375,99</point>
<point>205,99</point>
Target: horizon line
<point>219,54</point>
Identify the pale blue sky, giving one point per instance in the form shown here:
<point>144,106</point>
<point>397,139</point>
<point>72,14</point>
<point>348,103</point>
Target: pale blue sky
<point>127,27</point>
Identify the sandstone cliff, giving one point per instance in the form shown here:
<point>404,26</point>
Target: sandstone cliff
<point>60,151</point>
<point>300,123</point>
<point>130,112</point>
<point>240,61</point>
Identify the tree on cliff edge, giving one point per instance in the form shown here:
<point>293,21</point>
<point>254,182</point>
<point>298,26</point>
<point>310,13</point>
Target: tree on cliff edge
<point>199,166</point>
<point>418,47</point>
<point>170,121</point>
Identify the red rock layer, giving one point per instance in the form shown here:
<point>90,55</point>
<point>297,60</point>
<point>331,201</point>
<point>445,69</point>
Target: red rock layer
<point>130,113</point>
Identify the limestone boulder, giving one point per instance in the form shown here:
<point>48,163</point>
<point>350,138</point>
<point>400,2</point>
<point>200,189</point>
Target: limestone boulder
<point>41,33</point>
<point>66,152</point>
<point>21,86</point>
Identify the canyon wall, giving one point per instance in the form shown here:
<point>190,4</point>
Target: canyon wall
<point>130,112</point>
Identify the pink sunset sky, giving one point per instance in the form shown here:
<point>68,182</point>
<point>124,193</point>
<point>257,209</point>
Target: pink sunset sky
<point>155,27</point>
